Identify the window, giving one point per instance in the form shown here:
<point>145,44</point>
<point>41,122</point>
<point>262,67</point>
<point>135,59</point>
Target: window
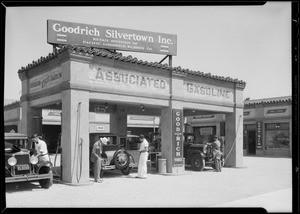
<point>277,136</point>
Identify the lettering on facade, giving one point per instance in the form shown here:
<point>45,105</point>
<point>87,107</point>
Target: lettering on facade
<point>129,79</point>
<point>276,111</point>
<point>204,116</point>
<point>177,137</point>
<point>208,91</point>
<point>44,81</point>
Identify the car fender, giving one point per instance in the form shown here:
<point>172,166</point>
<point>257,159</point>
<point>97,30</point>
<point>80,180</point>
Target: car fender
<point>43,165</point>
<point>192,153</point>
<point>109,156</point>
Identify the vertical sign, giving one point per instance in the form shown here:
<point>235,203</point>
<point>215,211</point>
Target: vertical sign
<point>259,133</point>
<point>177,137</point>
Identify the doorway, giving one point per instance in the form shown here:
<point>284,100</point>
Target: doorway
<point>251,142</point>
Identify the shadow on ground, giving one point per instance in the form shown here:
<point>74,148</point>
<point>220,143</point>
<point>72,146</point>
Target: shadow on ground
<point>22,186</point>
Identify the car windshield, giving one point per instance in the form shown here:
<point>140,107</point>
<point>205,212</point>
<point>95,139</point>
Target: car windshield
<point>21,143</point>
<point>8,145</point>
<point>133,142</point>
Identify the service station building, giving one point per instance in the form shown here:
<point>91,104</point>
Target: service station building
<point>76,78</point>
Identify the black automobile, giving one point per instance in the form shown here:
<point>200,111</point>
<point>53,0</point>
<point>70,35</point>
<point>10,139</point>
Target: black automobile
<point>199,155</point>
<point>20,163</point>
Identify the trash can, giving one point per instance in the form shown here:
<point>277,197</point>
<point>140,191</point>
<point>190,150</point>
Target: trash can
<point>162,166</point>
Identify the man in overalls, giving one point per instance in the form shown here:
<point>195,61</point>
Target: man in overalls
<point>96,158</point>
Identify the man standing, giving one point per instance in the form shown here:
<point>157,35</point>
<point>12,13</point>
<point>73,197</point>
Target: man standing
<point>216,145</point>
<point>142,167</point>
<point>41,149</point>
<point>96,157</point>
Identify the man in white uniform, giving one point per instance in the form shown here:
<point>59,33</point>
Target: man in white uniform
<point>142,167</point>
<point>41,149</point>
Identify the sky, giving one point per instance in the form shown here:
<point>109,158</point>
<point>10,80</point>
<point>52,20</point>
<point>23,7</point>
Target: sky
<point>250,43</point>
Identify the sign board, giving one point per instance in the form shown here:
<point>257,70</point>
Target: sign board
<point>61,32</point>
<point>204,116</point>
<point>206,131</point>
<point>276,111</point>
<point>177,137</point>
<point>259,135</point>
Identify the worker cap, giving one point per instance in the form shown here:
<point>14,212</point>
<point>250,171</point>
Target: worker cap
<point>34,136</point>
<point>104,140</point>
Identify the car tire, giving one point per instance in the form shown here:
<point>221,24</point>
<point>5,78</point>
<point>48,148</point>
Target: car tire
<point>126,171</point>
<point>121,159</point>
<point>46,183</point>
<point>197,162</point>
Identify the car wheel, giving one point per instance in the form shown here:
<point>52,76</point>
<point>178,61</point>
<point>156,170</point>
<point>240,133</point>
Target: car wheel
<point>121,159</point>
<point>126,171</point>
<point>197,162</point>
<point>46,183</point>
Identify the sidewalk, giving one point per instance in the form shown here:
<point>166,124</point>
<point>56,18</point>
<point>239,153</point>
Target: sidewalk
<point>278,201</point>
<point>261,182</point>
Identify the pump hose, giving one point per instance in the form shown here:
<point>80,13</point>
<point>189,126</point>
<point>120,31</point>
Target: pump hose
<point>78,143</point>
<point>234,138</point>
<point>54,164</point>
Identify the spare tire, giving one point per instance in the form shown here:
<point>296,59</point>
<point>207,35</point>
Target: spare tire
<point>121,159</point>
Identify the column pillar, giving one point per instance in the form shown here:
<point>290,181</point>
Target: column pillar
<point>234,131</point>
<point>31,122</point>
<point>75,136</point>
<point>234,138</point>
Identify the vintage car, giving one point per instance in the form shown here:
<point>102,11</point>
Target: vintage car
<point>115,156</point>
<point>20,163</point>
<point>198,155</point>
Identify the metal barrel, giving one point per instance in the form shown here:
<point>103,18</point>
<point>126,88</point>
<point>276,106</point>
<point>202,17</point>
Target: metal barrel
<point>162,166</point>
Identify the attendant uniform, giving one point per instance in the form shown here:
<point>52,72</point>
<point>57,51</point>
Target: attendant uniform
<point>142,167</point>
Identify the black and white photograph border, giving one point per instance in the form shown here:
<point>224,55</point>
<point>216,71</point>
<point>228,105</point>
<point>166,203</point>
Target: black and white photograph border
<point>214,70</point>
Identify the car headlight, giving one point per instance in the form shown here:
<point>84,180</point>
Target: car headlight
<point>33,159</point>
<point>204,149</point>
<point>12,161</point>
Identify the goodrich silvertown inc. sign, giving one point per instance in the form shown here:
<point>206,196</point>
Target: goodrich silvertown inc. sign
<point>61,32</point>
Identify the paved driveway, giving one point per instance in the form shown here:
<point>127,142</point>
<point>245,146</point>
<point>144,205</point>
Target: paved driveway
<point>259,177</point>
